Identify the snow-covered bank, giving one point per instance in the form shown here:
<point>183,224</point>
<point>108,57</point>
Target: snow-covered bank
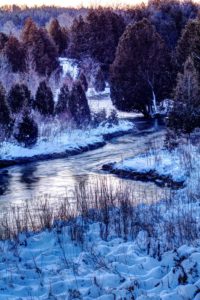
<point>72,142</point>
<point>118,249</point>
<point>49,265</point>
<point>163,167</point>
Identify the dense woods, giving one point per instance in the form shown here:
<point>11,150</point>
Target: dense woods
<point>145,53</point>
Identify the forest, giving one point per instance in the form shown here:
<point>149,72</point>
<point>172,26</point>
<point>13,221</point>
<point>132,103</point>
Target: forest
<point>146,53</point>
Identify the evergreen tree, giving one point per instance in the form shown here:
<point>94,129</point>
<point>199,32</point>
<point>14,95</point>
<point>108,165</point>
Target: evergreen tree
<point>41,48</point>
<point>16,54</point>
<point>140,74</point>
<point>19,97</point>
<point>185,116</point>
<point>29,32</point>
<point>62,105</point>
<point>44,102</point>
<point>189,45</point>
<point>3,40</point>
<point>78,105</point>
<point>104,30</point>
<point>59,35</point>
<point>27,131</point>
<point>5,115</point>
<point>97,36</point>
<point>78,41</point>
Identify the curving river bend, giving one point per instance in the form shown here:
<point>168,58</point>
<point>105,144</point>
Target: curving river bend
<point>58,177</point>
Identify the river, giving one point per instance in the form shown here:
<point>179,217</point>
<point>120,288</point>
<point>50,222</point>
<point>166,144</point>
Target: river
<point>58,177</point>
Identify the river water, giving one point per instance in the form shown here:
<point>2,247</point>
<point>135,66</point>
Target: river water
<point>58,177</point>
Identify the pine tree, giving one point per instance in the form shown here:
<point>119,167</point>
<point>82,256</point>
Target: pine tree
<point>189,45</point>
<point>27,131</point>
<point>41,48</point>
<point>19,98</point>
<point>29,32</point>
<point>62,105</point>
<point>5,115</point>
<point>78,105</point>
<point>185,116</point>
<point>96,36</point>
<point>44,102</point>
<point>140,73</point>
<point>16,54</point>
<point>59,35</point>
<point>78,40</point>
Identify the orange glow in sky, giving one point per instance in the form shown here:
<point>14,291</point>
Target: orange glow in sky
<point>72,3</point>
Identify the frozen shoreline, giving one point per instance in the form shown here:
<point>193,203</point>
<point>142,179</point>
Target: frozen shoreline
<point>163,167</point>
<point>71,143</point>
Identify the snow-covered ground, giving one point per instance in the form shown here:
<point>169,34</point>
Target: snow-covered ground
<point>162,162</point>
<point>65,141</point>
<point>49,265</point>
<point>102,101</point>
<point>177,165</point>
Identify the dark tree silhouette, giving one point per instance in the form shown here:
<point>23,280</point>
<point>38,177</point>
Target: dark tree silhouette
<point>140,74</point>
<point>78,105</point>
<point>44,102</point>
<point>16,54</point>
<point>27,131</point>
<point>189,45</point>
<point>5,115</point>
<point>19,97</point>
<point>59,35</point>
<point>97,36</point>
<point>41,48</point>
<point>3,40</point>
<point>185,116</point>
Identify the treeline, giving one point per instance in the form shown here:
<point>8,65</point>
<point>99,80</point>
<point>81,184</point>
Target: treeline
<point>17,15</point>
<point>146,53</point>
<point>18,108</point>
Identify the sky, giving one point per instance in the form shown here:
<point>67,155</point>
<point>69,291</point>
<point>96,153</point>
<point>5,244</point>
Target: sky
<point>70,3</point>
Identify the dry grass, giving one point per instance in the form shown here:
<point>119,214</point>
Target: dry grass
<point>168,224</point>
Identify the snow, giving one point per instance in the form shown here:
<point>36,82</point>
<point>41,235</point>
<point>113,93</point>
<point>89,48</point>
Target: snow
<point>69,140</point>
<point>69,67</point>
<point>92,93</point>
<point>102,101</point>
<point>162,162</point>
<point>49,265</point>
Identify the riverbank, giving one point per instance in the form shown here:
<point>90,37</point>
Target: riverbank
<point>66,144</point>
<point>163,167</point>
<point>112,249</point>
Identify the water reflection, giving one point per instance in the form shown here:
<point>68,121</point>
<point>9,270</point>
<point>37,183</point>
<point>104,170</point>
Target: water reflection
<point>28,176</point>
<point>59,177</point>
<point>4,182</point>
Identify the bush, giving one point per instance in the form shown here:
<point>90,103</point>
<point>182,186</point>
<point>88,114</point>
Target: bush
<point>78,105</point>
<point>19,98</point>
<point>44,102</point>
<point>27,131</point>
